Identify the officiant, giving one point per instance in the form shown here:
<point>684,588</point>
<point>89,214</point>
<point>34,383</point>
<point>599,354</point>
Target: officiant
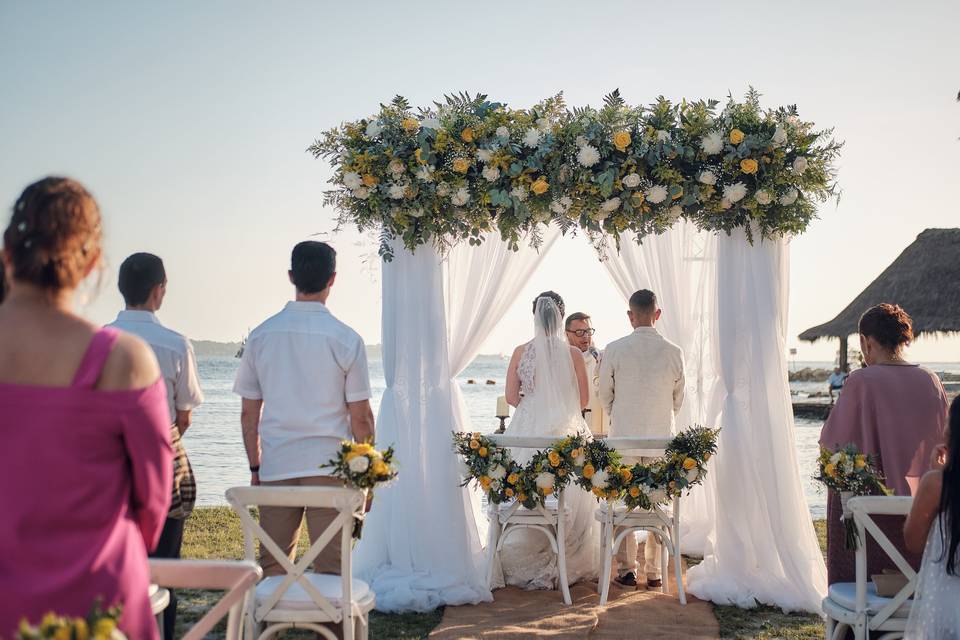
<point>580,335</point>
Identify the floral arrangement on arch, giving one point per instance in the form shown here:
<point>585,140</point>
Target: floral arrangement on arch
<point>466,166</point>
<point>850,472</point>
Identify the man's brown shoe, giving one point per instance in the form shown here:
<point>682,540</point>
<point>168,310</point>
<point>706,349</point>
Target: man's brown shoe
<point>629,579</point>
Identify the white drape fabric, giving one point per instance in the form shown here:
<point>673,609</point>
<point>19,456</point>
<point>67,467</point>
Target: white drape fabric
<point>679,267</point>
<point>763,547</point>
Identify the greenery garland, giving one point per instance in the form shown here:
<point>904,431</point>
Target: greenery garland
<point>591,464</point>
<point>468,165</point>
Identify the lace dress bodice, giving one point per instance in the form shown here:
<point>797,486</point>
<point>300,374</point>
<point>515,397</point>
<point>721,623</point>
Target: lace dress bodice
<point>526,369</point>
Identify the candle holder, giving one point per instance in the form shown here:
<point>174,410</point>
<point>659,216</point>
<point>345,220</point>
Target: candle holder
<point>503,424</point>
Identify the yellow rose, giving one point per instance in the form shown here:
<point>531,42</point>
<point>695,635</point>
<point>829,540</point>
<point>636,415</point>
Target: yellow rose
<point>621,140</point>
<point>63,633</point>
<point>748,165</point>
<point>736,136</point>
<point>613,494</point>
<point>482,452</point>
<point>554,458</point>
<point>80,629</point>
<point>829,470</point>
<point>689,463</point>
<point>485,482</point>
<point>476,435</point>
<point>634,492</point>
<point>508,492</point>
<point>104,627</point>
<point>625,474</point>
<point>521,497</point>
<point>588,471</point>
<point>474,445</point>
<point>540,186</point>
<point>369,180</point>
<point>513,478</point>
<point>546,491</point>
<point>467,135</point>
<point>362,448</point>
<point>410,125</point>
<point>461,165</point>
<point>380,468</point>
<point>597,491</point>
<point>860,461</point>
<point>562,472</point>
<point>576,453</point>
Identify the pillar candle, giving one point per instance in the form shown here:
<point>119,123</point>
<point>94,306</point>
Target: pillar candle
<point>503,409</point>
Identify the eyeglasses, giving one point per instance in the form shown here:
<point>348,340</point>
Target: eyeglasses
<point>582,333</point>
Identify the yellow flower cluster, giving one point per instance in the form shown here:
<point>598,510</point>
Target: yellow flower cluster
<point>540,186</point>
<point>749,166</point>
<point>410,125</point>
<point>621,140</point>
<point>736,136</point>
<point>62,628</point>
<point>461,165</point>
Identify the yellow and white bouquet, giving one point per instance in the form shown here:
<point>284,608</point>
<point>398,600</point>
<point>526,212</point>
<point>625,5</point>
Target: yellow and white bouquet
<point>850,473</point>
<point>99,624</point>
<point>363,467</point>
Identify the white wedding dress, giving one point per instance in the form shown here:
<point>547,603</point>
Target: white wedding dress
<point>550,406</point>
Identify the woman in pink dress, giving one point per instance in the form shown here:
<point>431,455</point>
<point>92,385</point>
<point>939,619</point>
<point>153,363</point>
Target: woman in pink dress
<point>895,411</point>
<point>86,462</point>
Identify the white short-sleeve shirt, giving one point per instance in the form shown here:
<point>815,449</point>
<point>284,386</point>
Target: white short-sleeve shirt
<point>306,366</point>
<point>178,365</point>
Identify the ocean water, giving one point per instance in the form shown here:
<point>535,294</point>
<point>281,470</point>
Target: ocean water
<point>216,448</point>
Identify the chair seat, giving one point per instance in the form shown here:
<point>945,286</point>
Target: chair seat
<point>845,595</point>
<point>297,598</point>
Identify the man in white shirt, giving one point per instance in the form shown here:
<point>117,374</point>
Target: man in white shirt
<point>835,382</point>
<point>143,284</point>
<point>641,387</point>
<point>580,335</point>
<point>305,387</point>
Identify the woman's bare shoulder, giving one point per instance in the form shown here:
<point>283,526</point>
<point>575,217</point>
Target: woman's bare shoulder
<point>130,365</point>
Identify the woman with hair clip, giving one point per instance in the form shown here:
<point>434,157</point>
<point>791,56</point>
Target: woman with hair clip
<point>933,526</point>
<point>547,383</point>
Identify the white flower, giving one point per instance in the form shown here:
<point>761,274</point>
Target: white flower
<point>495,485</point>
<point>443,189</point>
<point>545,479</point>
<point>361,193</point>
<point>498,472</point>
<point>416,213</point>
<point>588,155</point>
<point>693,474</point>
<point>610,205</point>
<point>580,460</point>
<point>519,193</point>
<point>657,496</point>
<point>396,191</point>
<point>735,192</point>
<point>789,197</point>
<point>708,177</point>
<point>566,201</point>
<point>599,479</point>
<point>430,123</point>
<point>835,458</point>
<point>763,197</point>
<point>712,143</point>
<point>656,194</point>
<point>396,167</point>
<point>543,124</point>
<point>532,137</point>
<point>359,464</point>
<point>779,136</point>
<point>541,216</point>
<point>631,180</point>
<point>675,212</point>
<point>492,174</point>
<point>663,136</point>
<point>373,129</point>
<point>425,173</point>
<point>562,205</point>
<point>484,155</point>
<point>800,165</point>
<point>581,141</point>
<point>352,180</point>
<point>503,132</point>
<point>461,197</point>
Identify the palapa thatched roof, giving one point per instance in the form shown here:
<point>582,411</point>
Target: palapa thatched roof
<point>924,280</point>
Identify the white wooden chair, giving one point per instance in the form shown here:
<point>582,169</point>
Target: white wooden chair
<point>510,517</point>
<point>618,522</point>
<point>303,599</point>
<point>856,605</point>
<point>234,577</point>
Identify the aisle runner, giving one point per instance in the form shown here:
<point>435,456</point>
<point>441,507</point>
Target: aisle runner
<point>630,614</point>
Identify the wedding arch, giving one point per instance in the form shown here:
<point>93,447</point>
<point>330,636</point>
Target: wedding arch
<point>692,201</point>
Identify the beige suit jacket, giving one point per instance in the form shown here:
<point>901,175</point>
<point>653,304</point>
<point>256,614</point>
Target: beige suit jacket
<point>641,384</point>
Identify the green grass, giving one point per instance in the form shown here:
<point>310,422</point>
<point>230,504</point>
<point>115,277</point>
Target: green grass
<point>214,532</point>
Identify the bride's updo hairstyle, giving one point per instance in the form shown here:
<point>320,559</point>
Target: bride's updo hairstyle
<point>549,316</point>
<point>889,325</point>
<point>553,295</point>
<point>53,238</point>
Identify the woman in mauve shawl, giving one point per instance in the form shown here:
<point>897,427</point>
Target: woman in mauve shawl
<point>893,410</point>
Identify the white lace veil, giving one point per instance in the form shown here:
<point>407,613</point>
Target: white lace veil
<point>556,397</point>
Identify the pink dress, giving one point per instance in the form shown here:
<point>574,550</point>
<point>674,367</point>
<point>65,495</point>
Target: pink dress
<point>85,480</point>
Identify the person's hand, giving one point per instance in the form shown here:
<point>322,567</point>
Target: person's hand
<point>938,457</point>
<point>254,479</point>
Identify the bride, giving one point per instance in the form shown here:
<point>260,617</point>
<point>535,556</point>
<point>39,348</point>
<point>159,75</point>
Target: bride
<point>547,383</point>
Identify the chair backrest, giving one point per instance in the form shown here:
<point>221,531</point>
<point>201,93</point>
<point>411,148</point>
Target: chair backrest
<point>863,509</point>
<point>639,447</point>
<point>346,501</point>
<point>524,442</point>
<point>234,577</point>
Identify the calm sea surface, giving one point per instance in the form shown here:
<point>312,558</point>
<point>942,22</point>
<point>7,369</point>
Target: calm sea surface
<point>216,448</point>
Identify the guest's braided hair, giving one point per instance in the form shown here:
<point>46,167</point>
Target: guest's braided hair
<point>54,234</point>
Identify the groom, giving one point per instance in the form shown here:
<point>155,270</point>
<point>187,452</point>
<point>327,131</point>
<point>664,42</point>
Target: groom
<point>641,389</point>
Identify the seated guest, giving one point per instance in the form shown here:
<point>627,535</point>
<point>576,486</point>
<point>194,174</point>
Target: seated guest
<point>933,528</point>
<point>86,461</point>
<point>143,284</point>
<point>893,410</point>
<point>835,382</point>
<point>304,386</point>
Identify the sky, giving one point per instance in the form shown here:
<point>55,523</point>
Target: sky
<point>189,123</point>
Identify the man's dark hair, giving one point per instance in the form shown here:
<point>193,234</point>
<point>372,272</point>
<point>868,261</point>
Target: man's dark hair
<point>573,317</point>
<point>643,301</point>
<point>312,264</point>
<point>139,274</point>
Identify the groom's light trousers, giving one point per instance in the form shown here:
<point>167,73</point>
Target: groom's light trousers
<point>627,554</point>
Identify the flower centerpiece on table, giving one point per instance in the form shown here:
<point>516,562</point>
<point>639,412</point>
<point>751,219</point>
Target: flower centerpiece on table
<point>850,473</point>
<point>363,467</point>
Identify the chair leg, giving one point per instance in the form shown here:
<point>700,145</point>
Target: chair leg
<point>664,565</point>
<point>493,539</point>
<point>678,574</point>
<point>608,532</point>
<point>562,553</point>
